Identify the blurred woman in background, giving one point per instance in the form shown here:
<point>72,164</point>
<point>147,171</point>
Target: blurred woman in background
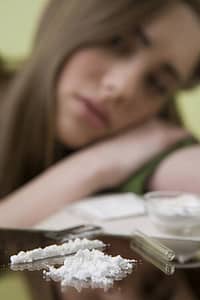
<point>83,113</point>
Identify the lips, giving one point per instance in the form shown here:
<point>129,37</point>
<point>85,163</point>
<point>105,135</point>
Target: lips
<point>93,113</point>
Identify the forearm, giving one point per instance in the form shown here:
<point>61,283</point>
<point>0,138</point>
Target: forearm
<point>179,171</point>
<point>146,143</point>
<point>63,183</point>
<point>103,165</point>
<point>156,138</point>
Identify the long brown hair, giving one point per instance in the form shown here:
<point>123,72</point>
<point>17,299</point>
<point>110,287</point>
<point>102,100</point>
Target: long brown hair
<point>27,134</point>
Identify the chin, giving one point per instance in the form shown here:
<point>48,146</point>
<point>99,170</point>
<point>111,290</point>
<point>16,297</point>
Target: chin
<point>76,143</point>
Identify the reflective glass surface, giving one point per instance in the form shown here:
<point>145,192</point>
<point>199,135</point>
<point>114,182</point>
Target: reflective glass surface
<point>149,280</point>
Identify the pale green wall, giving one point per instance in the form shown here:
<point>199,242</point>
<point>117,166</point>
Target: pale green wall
<point>189,107</point>
<point>14,287</point>
<point>18,19</point>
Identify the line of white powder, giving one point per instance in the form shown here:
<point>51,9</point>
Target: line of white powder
<point>70,247</point>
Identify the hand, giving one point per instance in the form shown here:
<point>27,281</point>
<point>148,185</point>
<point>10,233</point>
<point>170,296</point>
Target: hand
<point>118,157</point>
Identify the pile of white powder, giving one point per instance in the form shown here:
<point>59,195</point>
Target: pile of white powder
<point>84,266</point>
<point>91,268</point>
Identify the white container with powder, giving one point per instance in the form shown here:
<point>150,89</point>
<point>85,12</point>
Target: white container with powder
<point>174,212</point>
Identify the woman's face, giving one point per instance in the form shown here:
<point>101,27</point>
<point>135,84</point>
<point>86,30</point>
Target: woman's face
<point>102,90</point>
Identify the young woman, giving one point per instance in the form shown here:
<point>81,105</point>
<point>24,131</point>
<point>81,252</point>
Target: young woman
<point>82,114</point>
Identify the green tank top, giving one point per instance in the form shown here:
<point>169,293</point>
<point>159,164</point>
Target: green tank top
<point>138,182</point>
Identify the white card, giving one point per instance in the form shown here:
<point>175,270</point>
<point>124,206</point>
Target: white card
<point>111,206</point>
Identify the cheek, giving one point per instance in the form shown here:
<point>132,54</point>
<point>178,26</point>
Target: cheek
<point>154,109</point>
<point>66,78</point>
<point>82,62</point>
<point>147,109</point>
<point>83,68</point>
<point>136,115</point>
<point>150,104</point>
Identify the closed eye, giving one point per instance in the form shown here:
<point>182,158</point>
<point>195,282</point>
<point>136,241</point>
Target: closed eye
<point>130,43</point>
<point>156,84</point>
<point>121,44</point>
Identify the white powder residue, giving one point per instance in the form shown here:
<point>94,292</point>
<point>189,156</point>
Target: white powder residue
<point>70,247</point>
<point>91,269</point>
<point>183,205</point>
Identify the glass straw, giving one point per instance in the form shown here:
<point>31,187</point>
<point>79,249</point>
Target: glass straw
<point>152,246</point>
<point>166,267</point>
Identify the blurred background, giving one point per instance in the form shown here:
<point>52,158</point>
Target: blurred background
<point>18,23</point>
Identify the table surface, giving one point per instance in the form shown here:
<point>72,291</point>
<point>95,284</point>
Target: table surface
<point>146,282</point>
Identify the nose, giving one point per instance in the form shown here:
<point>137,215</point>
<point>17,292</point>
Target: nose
<point>121,79</point>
